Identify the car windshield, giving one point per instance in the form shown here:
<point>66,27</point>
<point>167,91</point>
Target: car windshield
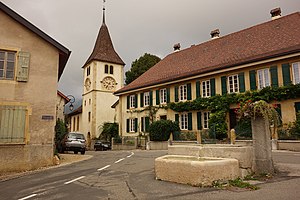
<point>76,136</point>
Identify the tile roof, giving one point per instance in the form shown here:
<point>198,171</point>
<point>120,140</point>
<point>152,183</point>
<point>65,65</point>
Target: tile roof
<point>104,50</point>
<point>64,53</point>
<point>266,40</point>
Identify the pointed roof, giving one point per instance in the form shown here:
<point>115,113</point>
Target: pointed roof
<point>104,49</point>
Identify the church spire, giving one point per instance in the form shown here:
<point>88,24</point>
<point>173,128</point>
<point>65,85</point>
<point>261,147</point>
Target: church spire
<point>104,50</point>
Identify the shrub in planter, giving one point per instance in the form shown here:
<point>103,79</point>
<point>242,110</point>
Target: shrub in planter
<point>161,130</point>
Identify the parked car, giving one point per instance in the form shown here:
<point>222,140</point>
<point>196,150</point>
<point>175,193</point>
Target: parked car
<point>74,141</point>
<point>102,146</point>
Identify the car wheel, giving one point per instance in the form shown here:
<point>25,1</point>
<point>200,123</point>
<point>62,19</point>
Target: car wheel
<point>75,152</point>
<point>83,152</point>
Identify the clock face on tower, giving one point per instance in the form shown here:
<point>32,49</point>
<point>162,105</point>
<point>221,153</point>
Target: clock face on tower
<point>109,83</point>
<point>87,84</point>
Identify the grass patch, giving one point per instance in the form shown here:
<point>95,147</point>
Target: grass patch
<point>238,182</point>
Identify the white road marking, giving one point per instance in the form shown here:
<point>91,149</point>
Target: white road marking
<point>107,166</point>
<point>76,179</point>
<point>120,160</point>
<point>130,155</point>
<point>28,197</point>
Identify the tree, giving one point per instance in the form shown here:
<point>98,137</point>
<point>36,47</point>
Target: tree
<point>60,131</point>
<point>161,130</point>
<point>139,66</point>
<point>108,131</point>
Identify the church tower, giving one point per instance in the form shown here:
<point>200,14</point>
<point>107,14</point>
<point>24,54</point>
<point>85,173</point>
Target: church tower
<point>103,75</point>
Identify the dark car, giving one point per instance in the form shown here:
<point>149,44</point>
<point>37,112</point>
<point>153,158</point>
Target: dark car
<point>74,141</point>
<point>102,146</point>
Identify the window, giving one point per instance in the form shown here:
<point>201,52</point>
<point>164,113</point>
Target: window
<point>163,117</point>
<point>233,83</point>
<point>131,125</point>
<point>111,69</point>
<point>183,121</point>
<point>77,123</point>
<point>89,116</point>
<point>106,69</point>
<point>263,78</point>
<point>13,123</point>
<point>205,119</point>
<point>90,101</point>
<point>146,99</point>
<point>296,72</point>
<point>163,95</point>
<point>206,88</point>
<point>182,92</point>
<point>7,65</point>
<point>132,101</point>
<point>88,71</point>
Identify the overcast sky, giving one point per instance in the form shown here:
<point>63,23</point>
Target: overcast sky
<point>139,26</point>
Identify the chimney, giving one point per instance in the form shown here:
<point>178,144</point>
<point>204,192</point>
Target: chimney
<point>275,13</point>
<point>176,47</point>
<point>215,34</point>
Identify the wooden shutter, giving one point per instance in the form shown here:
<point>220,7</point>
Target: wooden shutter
<point>199,121</point>
<point>286,74</point>
<point>212,87</point>
<point>128,101</point>
<point>297,107</point>
<point>127,125</point>
<point>176,94</point>
<point>168,95</point>
<point>198,94</point>
<point>136,101</point>
<point>142,99</point>
<point>274,76</point>
<point>151,98</point>
<point>23,66</point>
<point>177,118</point>
<point>190,121</point>
<point>147,123</point>
<point>189,91</point>
<point>241,82</point>
<point>135,124</point>
<point>224,84</point>
<point>157,97</point>
<point>142,124</point>
<point>252,75</point>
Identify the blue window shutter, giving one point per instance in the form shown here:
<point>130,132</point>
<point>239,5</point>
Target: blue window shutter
<point>168,95</point>
<point>199,121</point>
<point>189,91</point>
<point>157,97</point>
<point>274,76</point>
<point>142,99</point>
<point>241,82</point>
<point>151,98</point>
<point>252,75</point>
<point>224,84</point>
<point>212,87</point>
<point>190,121</point>
<point>286,74</point>
<point>176,94</point>
<point>128,102</point>
<point>198,94</point>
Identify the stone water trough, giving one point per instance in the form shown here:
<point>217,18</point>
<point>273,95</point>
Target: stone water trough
<point>196,171</point>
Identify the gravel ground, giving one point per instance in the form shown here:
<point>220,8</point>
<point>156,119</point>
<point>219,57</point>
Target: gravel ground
<point>65,159</point>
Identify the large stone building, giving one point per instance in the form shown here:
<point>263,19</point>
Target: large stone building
<point>31,63</point>
<point>264,55</point>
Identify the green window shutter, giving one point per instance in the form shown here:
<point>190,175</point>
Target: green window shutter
<point>252,75</point>
<point>127,125</point>
<point>198,84</point>
<point>151,98</point>
<point>168,95</point>
<point>190,121</point>
<point>177,118</point>
<point>147,123</point>
<point>241,82</point>
<point>189,91</point>
<point>142,99</point>
<point>157,97</point>
<point>297,107</point>
<point>286,74</point>
<point>212,87</point>
<point>274,76</point>
<point>199,121</point>
<point>136,101</point>
<point>135,124</point>
<point>23,66</point>
<point>142,124</point>
<point>128,101</point>
<point>176,94</point>
<point>224,84</point>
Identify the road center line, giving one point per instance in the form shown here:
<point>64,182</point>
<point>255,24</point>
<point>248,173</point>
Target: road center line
<point>107,166</point>
<point>120,160</point>
<point>130,155</point>
<point>76,179</point>
<point>28,197</point>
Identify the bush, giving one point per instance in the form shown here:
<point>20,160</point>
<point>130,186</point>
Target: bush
<point>291,131</point>
<point>161,130</point>
<point>60,131</point>
<point>243,129</point>
<point>108,131</point>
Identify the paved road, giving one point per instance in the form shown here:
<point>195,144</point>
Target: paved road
<point>130,175</point>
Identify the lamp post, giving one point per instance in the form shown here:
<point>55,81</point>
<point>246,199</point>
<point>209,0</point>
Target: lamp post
<point>71,101</point>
